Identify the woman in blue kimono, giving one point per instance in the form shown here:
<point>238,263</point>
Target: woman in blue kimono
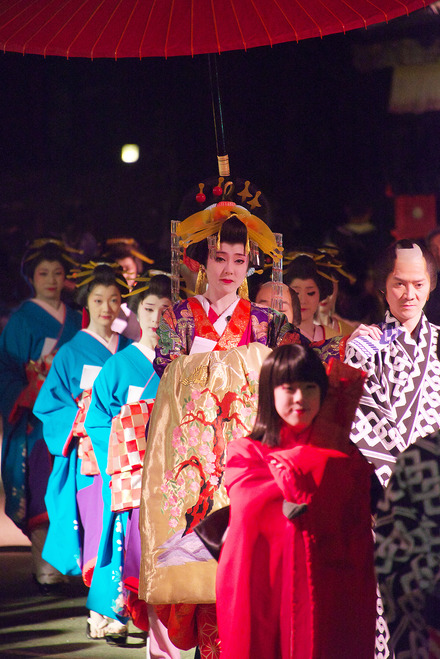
<point>73,499</point>
<point>28,344</point>
<point>126,379</point>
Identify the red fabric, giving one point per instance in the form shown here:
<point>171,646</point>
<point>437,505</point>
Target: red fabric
<point>181,623</point>
<point>89,464</point>
<point>105,28</point>
<point>36,373</point>
<point>138,611</point>
<point>415,216</point>
<point>302,589</point>
<point>238,329</point>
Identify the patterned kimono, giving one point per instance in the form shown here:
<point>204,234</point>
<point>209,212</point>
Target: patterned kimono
<point>126,377</point>
<point>401,400</point>
<point>401,403</point>
<point>74,524</point>
<point>204,400</point>
<point>28,344</point>
<point>408,551</point>
<point>249,322</point>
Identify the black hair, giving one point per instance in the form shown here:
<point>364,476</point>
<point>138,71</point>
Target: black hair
<point>385,264</point>
<point>103,275</point>
<point>304,267</point>
<point>232,232</point>
<point>286,364</point>
<point>294,299</point>
<point>160,285</point>
<point>116,251</point>
<point>50,251</point>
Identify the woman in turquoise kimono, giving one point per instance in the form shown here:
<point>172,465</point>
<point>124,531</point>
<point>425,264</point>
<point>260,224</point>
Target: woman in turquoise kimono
<point>32,336</point>
<point>124,390</point>
<point>74,499</point>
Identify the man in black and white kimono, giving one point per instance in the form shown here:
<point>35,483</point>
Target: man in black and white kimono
<point>401,400</point>
<point>408,551</point>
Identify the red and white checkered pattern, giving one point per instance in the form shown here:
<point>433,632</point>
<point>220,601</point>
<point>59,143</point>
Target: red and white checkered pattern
<point>89,464</point>
<point>127,437</point>
<point>83,401</point>
<point>126,454</point>
<point>126,490</point>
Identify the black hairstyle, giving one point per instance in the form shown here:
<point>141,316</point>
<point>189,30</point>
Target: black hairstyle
<point>115,251</point>
<point>296,306</point>
<point>159,285</point>
<point>304,267</point>
<point>286,364</point>
<point>49,251</point>
<point>232,231</point>
<point>385,263</point>
<point>103,274</point>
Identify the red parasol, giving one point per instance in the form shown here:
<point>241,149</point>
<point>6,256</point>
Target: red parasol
<point>164,28</point>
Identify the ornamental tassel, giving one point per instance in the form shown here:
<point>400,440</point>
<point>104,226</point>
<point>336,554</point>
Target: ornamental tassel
<point>277,276</point>
<point>175,262</point>
<point>201,281</point>
<point>243,290</point>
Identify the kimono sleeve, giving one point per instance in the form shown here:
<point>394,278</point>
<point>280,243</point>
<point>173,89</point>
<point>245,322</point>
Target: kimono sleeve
<point>103,406</point>
<point>15,352</point>
<point>278,328</point>
<point>172,341</point>
<point>375,417</point>
<point>248,479</point>
<point>55,405</point>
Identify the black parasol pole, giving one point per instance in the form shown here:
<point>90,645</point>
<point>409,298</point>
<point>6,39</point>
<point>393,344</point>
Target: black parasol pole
<point>222,156</point>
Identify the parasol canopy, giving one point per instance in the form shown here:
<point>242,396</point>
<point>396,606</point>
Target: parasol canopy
<point>165,28</point>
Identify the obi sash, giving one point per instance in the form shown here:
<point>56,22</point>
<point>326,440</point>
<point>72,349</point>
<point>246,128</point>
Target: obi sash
<point>126,454</point>
<point>89,464</point>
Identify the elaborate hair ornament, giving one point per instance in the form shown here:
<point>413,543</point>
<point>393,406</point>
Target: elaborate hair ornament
<point>326,263</point>
<point>88,273</point>
<point>130,243</point>
<point>37,245</point>
<point>208,222</point>
<point>136,289</point>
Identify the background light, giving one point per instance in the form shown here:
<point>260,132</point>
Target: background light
<point>130,153</point>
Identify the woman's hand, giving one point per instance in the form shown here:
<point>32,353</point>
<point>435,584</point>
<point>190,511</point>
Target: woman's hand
<point>372,331</point>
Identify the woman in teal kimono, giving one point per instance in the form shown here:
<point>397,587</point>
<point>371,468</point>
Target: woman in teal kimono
<point>126,382</point>
<point>74,499</point>
<point>32,336</point>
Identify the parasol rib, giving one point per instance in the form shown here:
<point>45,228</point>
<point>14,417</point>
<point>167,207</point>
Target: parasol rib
<point>61,29</point>
<point>146,28</point>
<point>5,45</point>
<point>238,25</point>
<point>92,52</point>
<point>192,28</point>
<point>356,12</point>
<point>288,21</point>
<point>334,15</point>
<point>169,28</point>
<point>385,15</point>
<point>311,18</point>
<point>263,23</point>
<point>135,6</point>
<point>219,50</point>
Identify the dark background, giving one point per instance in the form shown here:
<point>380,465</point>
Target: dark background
<point>301,121</point>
